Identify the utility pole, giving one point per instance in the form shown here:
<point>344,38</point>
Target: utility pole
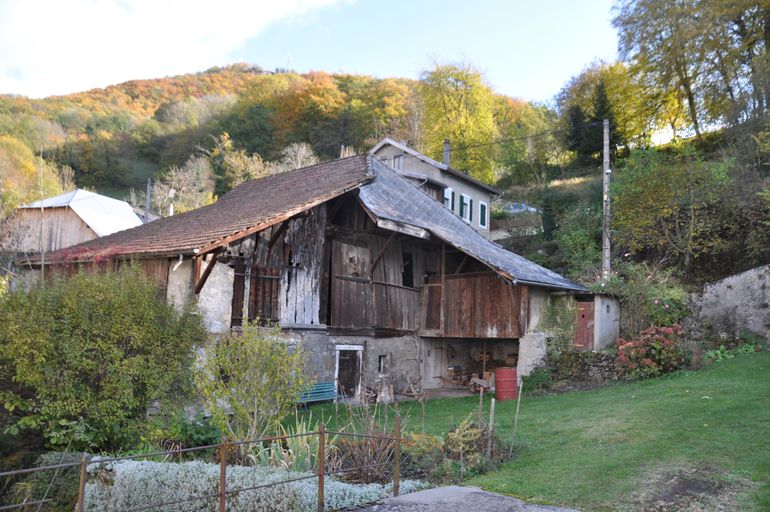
<point>147,197</point>
<point>606,204</point>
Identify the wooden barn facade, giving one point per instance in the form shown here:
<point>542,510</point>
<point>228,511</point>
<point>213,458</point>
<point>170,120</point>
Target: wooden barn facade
<point>379,282</point>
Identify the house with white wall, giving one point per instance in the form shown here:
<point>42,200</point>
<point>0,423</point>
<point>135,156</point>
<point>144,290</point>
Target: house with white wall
<point>467,197</point>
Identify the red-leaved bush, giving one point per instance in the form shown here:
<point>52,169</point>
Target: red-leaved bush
<point>658,350</point>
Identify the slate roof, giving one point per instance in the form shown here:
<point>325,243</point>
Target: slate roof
<point>257,204</point>
<point>389,196</point>
<point>104,215</point>
<point>262,201</point>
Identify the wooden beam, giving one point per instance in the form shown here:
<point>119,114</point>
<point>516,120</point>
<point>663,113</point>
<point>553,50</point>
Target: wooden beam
<point>380,254</point>
<point>406,229</point>
<point>276,234</point>
<point>461,265</point>
<point>198,267</point>
<point>205,276</point>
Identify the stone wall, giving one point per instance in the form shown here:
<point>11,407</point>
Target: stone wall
<point>216,297</point>
<point>532,353</point>
<point>737,303</point>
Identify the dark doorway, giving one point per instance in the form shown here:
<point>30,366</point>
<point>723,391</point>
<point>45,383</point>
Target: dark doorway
<point>407,270</point>
<point>349,371</point>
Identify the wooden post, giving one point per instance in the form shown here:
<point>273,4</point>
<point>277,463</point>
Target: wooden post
<point>82,487</point>
<point>321,460</point>
<point>397,456</point>
<point>442,314</point>
<point>516,420</point>
<point>222,474</point>
<point>481,406</point>
<point>483,359</point>
<point>491,431</point>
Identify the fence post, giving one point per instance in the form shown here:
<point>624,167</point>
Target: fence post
<point>491,432</point>
<point>82,486</point>
<point>223,474</point>
<point>397,456</point>
<point>321,460</point>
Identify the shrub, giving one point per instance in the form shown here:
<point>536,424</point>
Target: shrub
<point>422,454</point>
<point>649,296</point>
<point>466,442</point>
<point>60,487</point>
<point>558,321</point>
<point>540,379</point>
<point>658,350</point>
<point>82,358</point>
<point>131,484</point>
<point>250,381</point>
<point>178,431</point>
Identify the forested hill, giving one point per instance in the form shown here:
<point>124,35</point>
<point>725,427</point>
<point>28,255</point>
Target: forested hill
<point>116,137</point>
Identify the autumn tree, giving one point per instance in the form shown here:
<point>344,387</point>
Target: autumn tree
<point>459,106</point>
<point>709,56</point>
<point>528,145</point>
<point>665,203</point>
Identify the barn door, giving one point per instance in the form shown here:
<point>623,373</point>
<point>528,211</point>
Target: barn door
<point>264,289</point>
<point>584,336</point>
<point>351,286</point>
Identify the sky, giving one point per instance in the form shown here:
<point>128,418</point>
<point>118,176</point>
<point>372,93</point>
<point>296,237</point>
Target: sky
<point>525,48</point>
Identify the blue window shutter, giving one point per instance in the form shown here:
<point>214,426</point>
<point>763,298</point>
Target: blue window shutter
<point>453,201</point>
<point>470,210</point>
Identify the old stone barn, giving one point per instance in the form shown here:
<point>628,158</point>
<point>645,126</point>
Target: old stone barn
<point>379,281</point>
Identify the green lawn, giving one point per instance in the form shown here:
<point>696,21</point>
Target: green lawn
<point>614,448</point>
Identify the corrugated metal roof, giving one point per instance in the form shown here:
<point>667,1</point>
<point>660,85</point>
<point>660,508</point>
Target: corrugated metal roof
<point>391,197</point>
<point>104,215</point>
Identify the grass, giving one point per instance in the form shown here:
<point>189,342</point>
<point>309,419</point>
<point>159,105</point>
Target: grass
<point>611,448</point>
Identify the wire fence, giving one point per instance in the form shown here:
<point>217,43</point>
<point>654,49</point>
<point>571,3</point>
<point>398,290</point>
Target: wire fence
<point>224,449</point>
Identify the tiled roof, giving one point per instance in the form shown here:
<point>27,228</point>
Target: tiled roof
<point>251,204</point>
<point>260,203</point>
<point>390,197</point>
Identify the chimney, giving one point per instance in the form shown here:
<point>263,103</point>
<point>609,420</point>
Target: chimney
<point>447,152</point>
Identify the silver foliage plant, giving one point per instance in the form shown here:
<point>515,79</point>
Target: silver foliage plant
<point>128,484</point>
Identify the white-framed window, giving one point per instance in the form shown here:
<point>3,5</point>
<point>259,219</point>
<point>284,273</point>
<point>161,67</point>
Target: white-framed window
<point>449,198</point>
<point>483,212</point>
<point>398,162</point>
<point>466,208</point>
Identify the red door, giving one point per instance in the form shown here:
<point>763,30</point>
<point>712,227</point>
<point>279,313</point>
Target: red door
<point>584,337</point>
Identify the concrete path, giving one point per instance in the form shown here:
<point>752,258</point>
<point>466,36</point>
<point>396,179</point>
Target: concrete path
<point>456,498</point>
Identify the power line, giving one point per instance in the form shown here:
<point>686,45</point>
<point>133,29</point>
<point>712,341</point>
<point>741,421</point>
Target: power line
<point>522,137</point>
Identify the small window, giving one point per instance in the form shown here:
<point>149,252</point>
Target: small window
<point>449,198</point>
<point>407,272</point>
<point>482,214</point>
<point>398,162</point>
<point>382,364</point>
<point>466,208</point>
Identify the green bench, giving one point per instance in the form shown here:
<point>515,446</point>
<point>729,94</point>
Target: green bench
<point>319,392</point>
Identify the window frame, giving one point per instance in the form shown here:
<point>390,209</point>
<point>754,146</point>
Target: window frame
<point>449,198</point>
<point>483,217</point>
<point>398,162</point>
<point>466,208</point>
